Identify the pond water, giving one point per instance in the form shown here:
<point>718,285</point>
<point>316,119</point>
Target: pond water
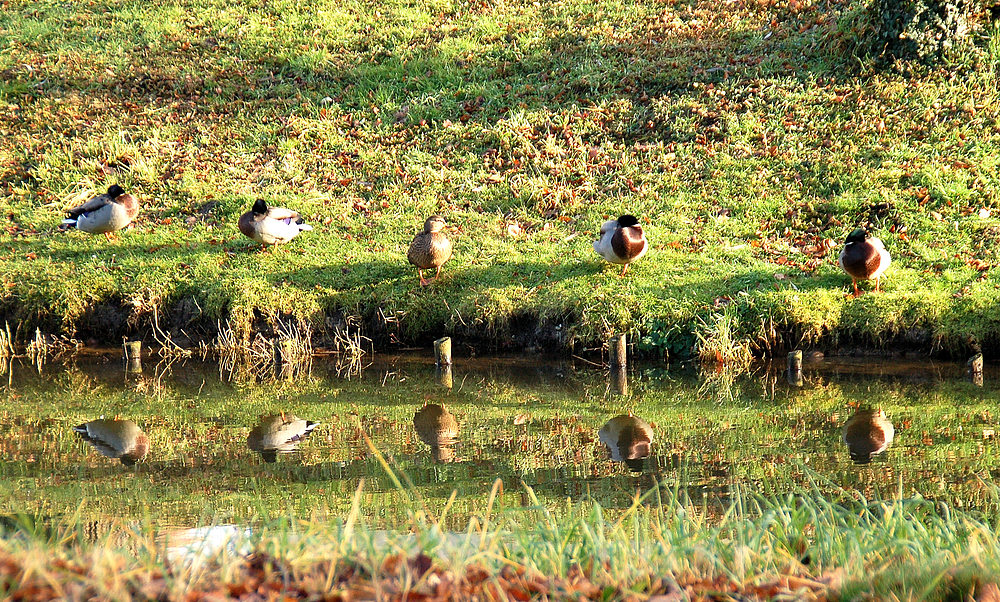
<point>187,443</point>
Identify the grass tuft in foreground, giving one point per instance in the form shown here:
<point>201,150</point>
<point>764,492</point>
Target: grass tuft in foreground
<point>801,544</point>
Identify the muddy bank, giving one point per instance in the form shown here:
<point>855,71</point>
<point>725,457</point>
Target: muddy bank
<point>186,325</point>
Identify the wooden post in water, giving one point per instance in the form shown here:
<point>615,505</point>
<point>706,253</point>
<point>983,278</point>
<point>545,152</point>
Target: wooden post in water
<point>976,369</point>
<point>442,351</point>
<point>618,351</point>
<point>795,368</point>
<point>133,356</point>
<point>619,380</point>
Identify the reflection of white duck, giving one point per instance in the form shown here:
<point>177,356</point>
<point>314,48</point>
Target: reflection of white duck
<point>867,433</point>
<point>278,433</point>
<point>628,440</point>
<point>438,428</point>
<point>122,439</point>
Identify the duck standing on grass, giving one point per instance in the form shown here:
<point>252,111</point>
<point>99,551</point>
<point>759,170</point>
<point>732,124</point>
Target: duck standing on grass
<point>121,439</point>
<point>430,249</point>
<point>864,258</point>
<point>103,214</point>
<point>622,241</point>
<point>867,433</point>
<point>271,225</point>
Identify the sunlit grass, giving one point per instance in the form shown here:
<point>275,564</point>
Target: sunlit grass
<point>741,138</point>
<point>839,545</point>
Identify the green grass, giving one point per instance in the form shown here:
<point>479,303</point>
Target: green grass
<point>844,546</point>
<point>368,117</point>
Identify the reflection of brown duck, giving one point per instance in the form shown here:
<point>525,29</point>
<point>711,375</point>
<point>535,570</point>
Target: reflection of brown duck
<point>438,428</point>
<point>866,433</point>
<point>278,433</point>
<point>122,439</point>
<point>628,440</point>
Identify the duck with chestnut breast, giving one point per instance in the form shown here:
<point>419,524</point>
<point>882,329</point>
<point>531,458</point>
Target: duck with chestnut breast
<point>271,225</point>
<point>430,249</point>
<point>864,258</point>
<point>867,433</point>
<point>622,241</point>
<point>104,213</point>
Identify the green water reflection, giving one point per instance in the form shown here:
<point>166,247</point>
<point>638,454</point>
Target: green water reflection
<point>213,447</point>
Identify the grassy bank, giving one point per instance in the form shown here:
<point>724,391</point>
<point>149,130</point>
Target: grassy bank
<point>733,130</point>
<point>804,546</point>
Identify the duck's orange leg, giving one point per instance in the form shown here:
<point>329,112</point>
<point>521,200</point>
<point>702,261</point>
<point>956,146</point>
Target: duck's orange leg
<point>624,269</point>
<point>857,292</point>
<point>420,273</point>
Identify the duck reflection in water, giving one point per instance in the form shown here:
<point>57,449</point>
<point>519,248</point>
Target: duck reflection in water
<point>628,440</point>
<point>866,433</point>
<point>438,428</point>
<point>122,439</point>
<point>279,433</point>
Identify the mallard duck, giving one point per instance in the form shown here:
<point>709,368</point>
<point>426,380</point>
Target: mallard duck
<point>628,440</point>
<point>278,433</point>
<point>438,428</point>
<point>866,433</point>
<point>864,258</point>
<point>122,439</point>
<point>105,213</point>
<point>622,241</point>
<point>430,249</point>
<point>271,225</point>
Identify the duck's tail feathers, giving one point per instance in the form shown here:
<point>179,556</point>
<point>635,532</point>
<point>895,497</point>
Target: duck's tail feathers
<point>304,227</point>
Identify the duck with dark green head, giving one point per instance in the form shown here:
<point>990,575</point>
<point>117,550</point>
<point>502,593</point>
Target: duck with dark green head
<point>864,258</point>
<point>622,241</point>
<point>104,213</point>
<point>271,225</point>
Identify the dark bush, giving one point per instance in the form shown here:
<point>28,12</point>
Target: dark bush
<point>924,30</point>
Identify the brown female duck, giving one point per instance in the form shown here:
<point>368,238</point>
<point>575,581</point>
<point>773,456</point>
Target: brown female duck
<point>430,249</point>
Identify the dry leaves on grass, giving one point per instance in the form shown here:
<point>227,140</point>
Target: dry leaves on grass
<point>417,578</point>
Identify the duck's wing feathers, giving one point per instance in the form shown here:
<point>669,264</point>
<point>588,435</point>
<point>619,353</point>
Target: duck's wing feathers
<point>99,201</point>
<point>282,213</point>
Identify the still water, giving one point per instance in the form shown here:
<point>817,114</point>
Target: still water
<point>189,443</point>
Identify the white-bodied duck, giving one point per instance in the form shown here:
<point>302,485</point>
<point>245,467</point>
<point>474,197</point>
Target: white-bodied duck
<point>622,241</point>
<point>104,213</point>
<point>271,225</point>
